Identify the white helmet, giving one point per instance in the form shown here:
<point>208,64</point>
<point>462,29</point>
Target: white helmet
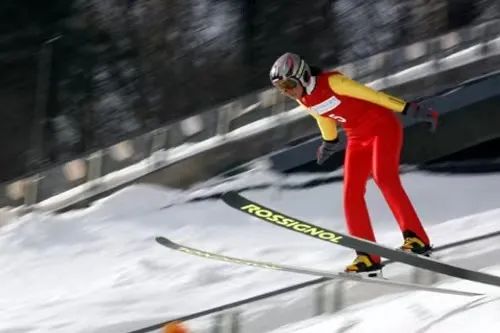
<point>292,66</point>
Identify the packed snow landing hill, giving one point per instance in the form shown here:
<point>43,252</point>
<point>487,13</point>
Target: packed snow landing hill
<point>100,269</point>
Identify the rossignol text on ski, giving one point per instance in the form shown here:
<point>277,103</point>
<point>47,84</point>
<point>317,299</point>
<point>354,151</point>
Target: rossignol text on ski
<point>274,217</point>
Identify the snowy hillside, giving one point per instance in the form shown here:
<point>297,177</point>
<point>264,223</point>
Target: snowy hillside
<point>99,269</point>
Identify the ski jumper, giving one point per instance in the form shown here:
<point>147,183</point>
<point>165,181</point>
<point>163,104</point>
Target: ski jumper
<point>374,141</point>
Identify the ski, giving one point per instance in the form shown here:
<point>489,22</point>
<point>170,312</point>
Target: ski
<point>313,272</point>
<point>239,202</point>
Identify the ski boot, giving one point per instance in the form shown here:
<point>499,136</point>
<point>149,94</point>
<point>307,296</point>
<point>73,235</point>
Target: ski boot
<point>365,266</point>
<point>413,244</point>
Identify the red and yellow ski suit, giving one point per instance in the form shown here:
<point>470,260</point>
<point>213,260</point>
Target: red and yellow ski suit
<point>374,141</point>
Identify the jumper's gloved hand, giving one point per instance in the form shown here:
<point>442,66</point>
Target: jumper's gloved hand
<point>327,149</point>
<point>420,113</point>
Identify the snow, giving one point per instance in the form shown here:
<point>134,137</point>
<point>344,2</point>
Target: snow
<point>99,270</point>
<point>417,312</point>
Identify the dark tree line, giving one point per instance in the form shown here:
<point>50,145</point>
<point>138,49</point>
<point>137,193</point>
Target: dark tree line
<point>82,74</point>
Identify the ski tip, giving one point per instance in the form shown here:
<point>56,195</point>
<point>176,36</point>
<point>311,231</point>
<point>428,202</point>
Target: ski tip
<point>163,240</point>
<point>160,239</point>
<point>229,194</point>
<point>167,242</point>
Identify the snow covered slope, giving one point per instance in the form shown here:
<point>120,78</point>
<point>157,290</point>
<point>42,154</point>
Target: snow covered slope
<point>99,269</point>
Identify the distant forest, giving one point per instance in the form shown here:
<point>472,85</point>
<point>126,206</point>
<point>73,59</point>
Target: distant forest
<point>78,74</point>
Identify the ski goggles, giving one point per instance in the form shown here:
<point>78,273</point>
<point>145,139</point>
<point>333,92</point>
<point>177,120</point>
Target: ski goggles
<point>285,84</point>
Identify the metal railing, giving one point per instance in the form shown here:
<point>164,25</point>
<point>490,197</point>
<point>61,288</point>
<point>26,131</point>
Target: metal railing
<point>166,145</point>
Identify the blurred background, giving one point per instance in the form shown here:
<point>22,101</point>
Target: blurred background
<point>80,75</point>
<point>97,95</point>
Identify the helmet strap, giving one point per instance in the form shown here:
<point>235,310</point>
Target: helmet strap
<point>310,85</point>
